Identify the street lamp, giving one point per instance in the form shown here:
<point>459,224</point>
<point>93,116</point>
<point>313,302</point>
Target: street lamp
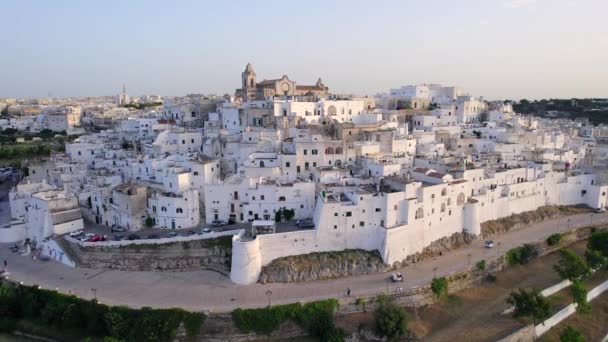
<point>269,293</point>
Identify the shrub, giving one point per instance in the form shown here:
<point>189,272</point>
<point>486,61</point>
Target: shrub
<point>520,255</point>
<point>579,294</point>
<point>315,317</point>
<point>571,266</point>
<point>599,242</point>
<point>491,278</point>
<point>569,334</point>
<point>596,260</point>
<point>51,309</point>
<point>530,304</point>
<point>391,320</point>
<point>480,265</point>
<point>439,286</point>
<point>554,239</point>
<point>361,302</point>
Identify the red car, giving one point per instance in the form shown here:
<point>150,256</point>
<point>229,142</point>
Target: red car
<point>95,238</point>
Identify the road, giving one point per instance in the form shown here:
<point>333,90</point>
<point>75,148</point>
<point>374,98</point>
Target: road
<point>210,291</point>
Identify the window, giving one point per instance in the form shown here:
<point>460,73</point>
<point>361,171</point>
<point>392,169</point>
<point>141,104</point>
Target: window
<point>335,214</point>
<point>305,152</point>
<point>335,227</point>
<point>287,164</point>
<point>442,207</point>
<point>361,224</point>
<point>79,153</point>
<point>460,199</point>
<point>183,141</point>
<point>192,141</point>
<point>378,210</point>
<point>419,213</point>
<point>444,192</point>
<point>163,209</point>
<point>262,197</point>
<point>179,210</point>
<point>349,214</point>
<point>583,192</point>
<point>281,198</point>
<point>314,152</point>
<point>196,173</point>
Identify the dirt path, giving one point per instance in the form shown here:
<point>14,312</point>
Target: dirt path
<point>475,314</point>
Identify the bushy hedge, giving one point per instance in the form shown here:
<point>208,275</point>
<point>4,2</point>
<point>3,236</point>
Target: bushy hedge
<point>81,317</point>
<point>554,239</point>
<point>520,255</point>
<point>315,317</point>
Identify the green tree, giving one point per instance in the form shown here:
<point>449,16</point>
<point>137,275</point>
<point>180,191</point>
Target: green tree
<point>391,320</point>
<point>520,255</point>
<point>599,242</point>
<point>569,334</point>
<point>439,286</point>
<point>530,304</point>
<point>481,265</point>
<point>149,222</point>
<point>596,260</point>
<point>571,266</point>
<point>579,294</point>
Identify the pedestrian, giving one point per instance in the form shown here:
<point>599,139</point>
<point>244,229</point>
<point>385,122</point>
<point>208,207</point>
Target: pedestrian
<point>348,291</point>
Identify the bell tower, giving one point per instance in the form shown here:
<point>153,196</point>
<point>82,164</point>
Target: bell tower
<point>248,79</point>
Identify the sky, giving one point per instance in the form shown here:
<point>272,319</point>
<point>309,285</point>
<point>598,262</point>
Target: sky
<point>499,49</point>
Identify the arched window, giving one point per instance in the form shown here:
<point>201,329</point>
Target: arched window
<point>261,163</point>
<point>179,210</point>
<point>442,207</point>
<point>331,110</point>
<point>444,192</point>
<point>163,208</point>
<point>419,213</point>
<point>460,199</point>
<point>338,150</point>
<point>329,150</point>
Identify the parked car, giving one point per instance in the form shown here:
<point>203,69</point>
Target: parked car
<point>172,234</point>
<point>599,210</point>
<point>86,237</point>
<point>133,237</point>
<point>77,233</point>
<point>153,236</point>
<point>488,244</point>
<point>95,238</point>
<point>306,225</point>
<point>205,231</point>
<point>218,223</point>
<point>117,229</point>
<point>396,277</point>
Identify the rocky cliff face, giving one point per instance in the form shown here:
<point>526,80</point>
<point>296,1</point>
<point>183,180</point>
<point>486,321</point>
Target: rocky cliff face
<point>214,254</point>
<point>436,248</point>
<point>521,220</point>
<point>324,265</point>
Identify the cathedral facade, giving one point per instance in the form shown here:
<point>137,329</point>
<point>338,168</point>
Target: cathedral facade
<point>253,90</point>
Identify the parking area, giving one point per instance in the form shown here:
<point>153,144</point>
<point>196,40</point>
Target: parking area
<point>157,233</point>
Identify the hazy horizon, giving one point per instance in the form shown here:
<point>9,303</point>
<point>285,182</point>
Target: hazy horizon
<point>498,49</point>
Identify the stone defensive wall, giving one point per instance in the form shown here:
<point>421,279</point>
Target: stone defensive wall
<point>211,251</point>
